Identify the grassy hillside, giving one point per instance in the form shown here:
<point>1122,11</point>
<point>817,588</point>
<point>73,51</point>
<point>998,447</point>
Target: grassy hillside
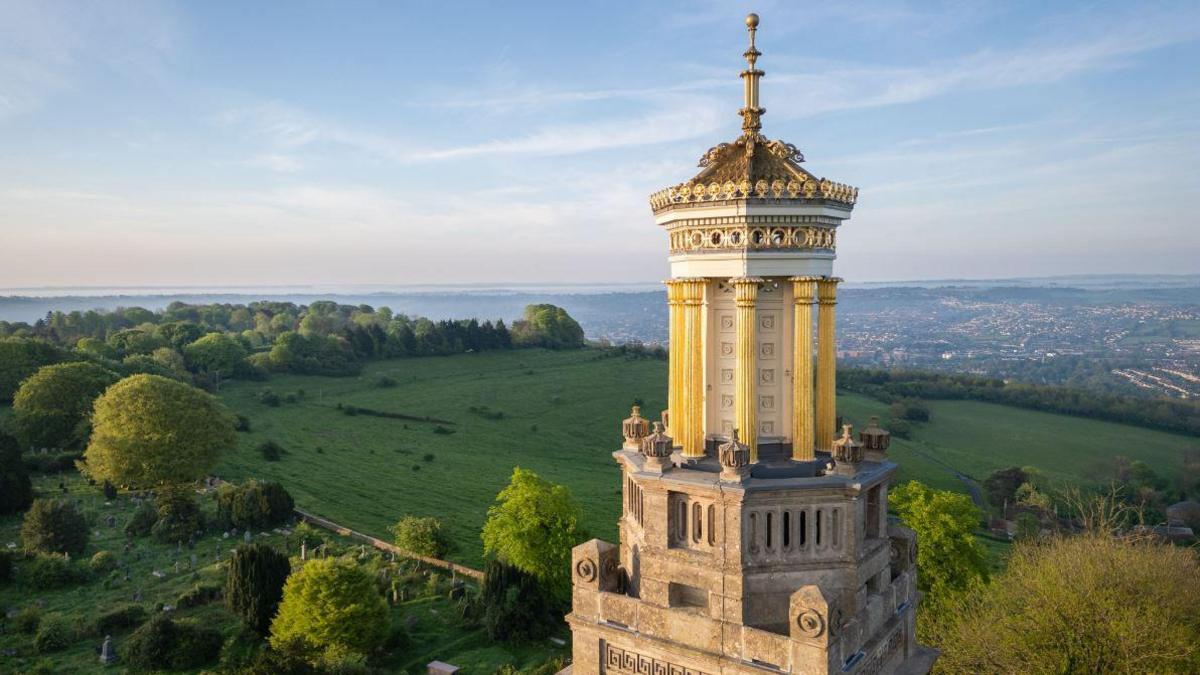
<point>561,414</point>
<point>561,418</point>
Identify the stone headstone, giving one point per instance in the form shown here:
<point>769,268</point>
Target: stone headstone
<point>110,520</point>
<point>441,668</point>
<point>304,550</point>
<point>225,535</point>
<point>193,559</point>
<point>137,595</point>
<point>246,537</point>
<point>176,567</point>
<point>107,654</point>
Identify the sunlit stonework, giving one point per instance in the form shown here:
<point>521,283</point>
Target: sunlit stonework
<point>751,539</point>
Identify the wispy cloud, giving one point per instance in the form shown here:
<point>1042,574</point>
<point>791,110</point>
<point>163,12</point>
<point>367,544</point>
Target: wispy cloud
<point>682,120</point>
<point>46,46</point>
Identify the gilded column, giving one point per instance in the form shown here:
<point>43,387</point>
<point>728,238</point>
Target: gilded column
<point>804,291</point>
<point>826,362</point>
<point>675,357</point>
<point>745,376</point>
<point>692,396</point>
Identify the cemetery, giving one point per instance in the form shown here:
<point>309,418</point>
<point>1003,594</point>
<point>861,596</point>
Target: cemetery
<point>83,616</point>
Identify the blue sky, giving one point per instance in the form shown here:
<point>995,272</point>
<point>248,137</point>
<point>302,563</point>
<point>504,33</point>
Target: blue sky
<point>351,142</point>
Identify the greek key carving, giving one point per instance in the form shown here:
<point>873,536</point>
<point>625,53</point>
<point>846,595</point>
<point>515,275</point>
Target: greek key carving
<point>617,660</point>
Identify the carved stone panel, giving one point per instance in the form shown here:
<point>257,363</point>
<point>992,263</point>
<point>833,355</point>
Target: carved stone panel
<point>626,661</point>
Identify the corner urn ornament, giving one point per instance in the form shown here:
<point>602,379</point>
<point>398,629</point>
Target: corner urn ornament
<point>875,440</point>
<point>735,459</point>
<point>657,448</point>
<point>847,453</point>
<point>634,428</point>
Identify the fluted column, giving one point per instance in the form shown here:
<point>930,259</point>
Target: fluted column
<point>676,356</point>
<point>804,291</point>
<point>826,362</point>
<point>745,377</point>
<point>692,396</point>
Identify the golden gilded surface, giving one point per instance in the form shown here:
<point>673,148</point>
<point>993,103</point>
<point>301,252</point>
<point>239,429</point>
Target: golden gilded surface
<point>826,412</point>
<point>774,187</point>
<point>694,344</point>
<point>804,291</point>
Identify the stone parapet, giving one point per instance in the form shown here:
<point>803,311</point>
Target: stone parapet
<point>819,636</point>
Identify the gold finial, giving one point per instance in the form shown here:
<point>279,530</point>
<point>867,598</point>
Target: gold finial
<point>751,112</point>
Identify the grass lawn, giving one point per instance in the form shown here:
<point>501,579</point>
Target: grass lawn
<point>561,414</point>
<point>434,632</point>
<point>561,418</point>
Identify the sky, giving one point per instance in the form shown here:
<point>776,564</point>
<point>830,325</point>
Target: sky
<point>232,143</point>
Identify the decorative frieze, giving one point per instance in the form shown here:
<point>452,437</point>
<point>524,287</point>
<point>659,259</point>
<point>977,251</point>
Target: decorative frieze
<point>705,238</point>
<point>617,660</point>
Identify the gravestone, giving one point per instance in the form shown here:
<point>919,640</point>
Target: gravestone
<point>441,668</point>
<point>107,654</point>
<point>246,537</point>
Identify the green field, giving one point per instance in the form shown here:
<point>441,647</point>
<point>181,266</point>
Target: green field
<point>561,416</point>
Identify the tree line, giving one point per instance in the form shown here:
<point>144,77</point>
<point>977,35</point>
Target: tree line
<point>1166,414</point>
<point>205,344</point>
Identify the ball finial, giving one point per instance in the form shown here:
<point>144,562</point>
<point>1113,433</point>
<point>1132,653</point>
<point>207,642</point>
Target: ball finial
<point>752,20</point>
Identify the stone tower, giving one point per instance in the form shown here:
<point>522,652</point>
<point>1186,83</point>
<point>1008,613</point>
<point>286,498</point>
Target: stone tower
<point>753,538</point>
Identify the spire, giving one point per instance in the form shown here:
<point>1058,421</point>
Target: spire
<point>750,112</point>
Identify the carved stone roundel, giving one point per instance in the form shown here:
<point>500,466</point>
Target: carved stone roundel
<point>811,623</point>
<point>586,569</point>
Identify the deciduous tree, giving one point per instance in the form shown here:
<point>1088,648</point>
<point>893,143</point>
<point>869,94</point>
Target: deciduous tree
<point>54,526</point>
<point>950,559</point>
<point>20,358</point>
<point>149,430</point>
<point>532,526</point>
<point>52,406</point>
<point>333,607</point>
<point>1090,603</point>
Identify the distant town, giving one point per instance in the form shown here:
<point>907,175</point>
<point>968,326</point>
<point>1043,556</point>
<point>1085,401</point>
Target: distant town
<point>1124,334</point>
